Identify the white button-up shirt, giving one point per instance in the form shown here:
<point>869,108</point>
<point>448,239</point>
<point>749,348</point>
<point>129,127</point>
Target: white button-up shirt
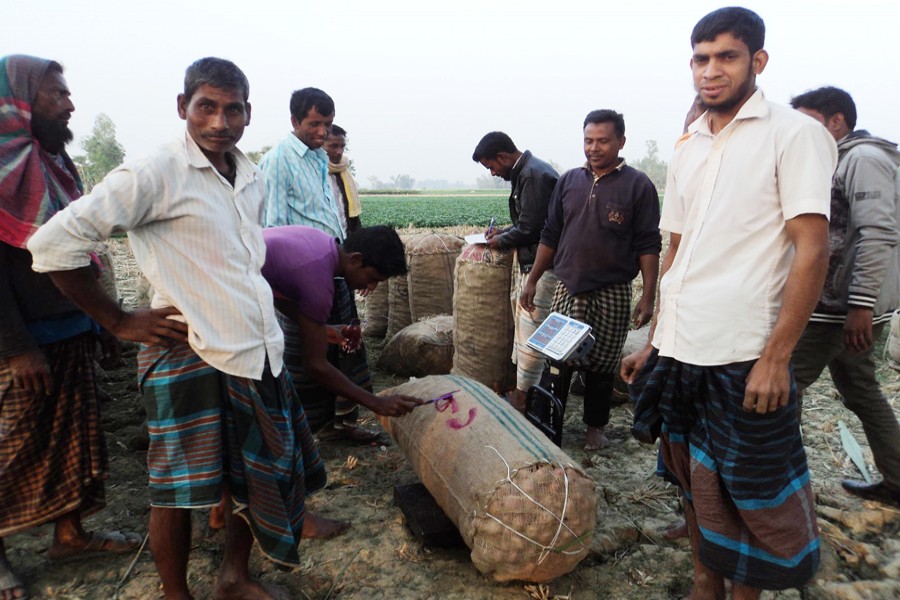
<point>729,195</point>
<point>197,239</point>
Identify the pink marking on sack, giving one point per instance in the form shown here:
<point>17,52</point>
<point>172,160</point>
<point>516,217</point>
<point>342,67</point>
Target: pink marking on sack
<point>455,424</point>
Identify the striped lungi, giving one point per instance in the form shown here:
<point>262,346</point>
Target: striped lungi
<point>744,474</point>
<point>208,428</point>
<point>322,406</point>
<point>52,454</point>
<point>607,311</point>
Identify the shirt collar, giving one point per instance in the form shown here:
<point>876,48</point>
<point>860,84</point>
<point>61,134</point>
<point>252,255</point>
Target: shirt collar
<point>754,108</point>
<point>244,169</point>
<point>587,167</point>
<point>302,149</point>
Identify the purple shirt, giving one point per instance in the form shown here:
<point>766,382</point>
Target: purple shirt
<point>301,263</point>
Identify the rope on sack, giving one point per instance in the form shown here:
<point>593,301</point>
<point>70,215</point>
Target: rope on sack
<point>546,550</point>
<point>425,237</point>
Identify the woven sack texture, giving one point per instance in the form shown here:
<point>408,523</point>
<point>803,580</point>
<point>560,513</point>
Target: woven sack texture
<point>423,348</point>
<point>431,258</point>
<point>482,317</point>
<point>523,507</point>
<point>376,322</point>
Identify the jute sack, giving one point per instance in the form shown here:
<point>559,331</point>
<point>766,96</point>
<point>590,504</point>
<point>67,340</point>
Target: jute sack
<point>893,343</point>
<point>423,348</point>
<point>431,258</point>
<point>398,305</point>
<point>398,298</point>
<point>482,317</point>
<point>376,322</point>
<point>523,507</point>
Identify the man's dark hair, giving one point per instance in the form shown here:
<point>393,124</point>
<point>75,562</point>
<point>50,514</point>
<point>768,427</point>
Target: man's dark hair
<point>829,101</point>
<point>742,23</point>
<point>302,101</point>
<point>217,72</point>
<point>493,144</point>
<point>338,130</point>
<point>607,116</point>
<point>380,247</point>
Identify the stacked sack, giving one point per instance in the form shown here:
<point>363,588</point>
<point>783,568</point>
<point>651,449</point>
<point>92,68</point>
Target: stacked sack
<point>376,323</point>
<point>431,258</point>
<point>483,318</point>
<point>423,348</point>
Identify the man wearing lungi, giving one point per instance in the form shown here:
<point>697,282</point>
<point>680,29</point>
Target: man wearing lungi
<point>746,206</point>
<point>53,459</point>
<point>532,181</point>
<point>221,409</point>
<point>602,230</point>
<point>299,193</point>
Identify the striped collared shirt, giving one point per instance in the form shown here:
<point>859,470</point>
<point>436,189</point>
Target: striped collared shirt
<point>298,190</point>
<point>197,239</point>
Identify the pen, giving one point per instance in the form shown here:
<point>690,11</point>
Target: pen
<point>446,396</point>
<point>491,226</point>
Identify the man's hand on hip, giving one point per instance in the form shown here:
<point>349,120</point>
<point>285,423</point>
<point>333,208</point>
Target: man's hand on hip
<point>31,372</point>
<point>151,326</point>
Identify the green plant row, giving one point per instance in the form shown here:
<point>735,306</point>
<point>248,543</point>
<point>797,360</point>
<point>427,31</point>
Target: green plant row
<point>435,210</point>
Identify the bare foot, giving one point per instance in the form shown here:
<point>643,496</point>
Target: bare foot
<point>676,530</point>
<point>11,587</point>
<point>320,528</point>
<point>595,439</point>
<point>251,589</point>
<point>707,588</point>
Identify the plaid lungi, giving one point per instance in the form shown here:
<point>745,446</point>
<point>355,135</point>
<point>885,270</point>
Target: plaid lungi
<point>322,406</point>
<point>744,474</point>
<point>207,427</point>
<point>52,453</point>
<point>607,311</point>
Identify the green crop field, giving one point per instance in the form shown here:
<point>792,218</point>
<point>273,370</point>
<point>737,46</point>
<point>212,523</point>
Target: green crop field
<point>436,209</point>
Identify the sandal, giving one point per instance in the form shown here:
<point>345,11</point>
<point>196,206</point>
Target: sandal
<point>99,542</point>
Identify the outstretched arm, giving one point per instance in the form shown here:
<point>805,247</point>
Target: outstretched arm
<point>315,348</point>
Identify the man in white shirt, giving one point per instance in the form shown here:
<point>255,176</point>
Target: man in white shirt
<point>746,206</point>
<point>221,410</point>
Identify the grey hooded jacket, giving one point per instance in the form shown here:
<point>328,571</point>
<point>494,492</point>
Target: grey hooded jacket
<point>864,230</point>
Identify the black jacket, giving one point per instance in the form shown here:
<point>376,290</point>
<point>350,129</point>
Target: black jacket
<point>532,181</point>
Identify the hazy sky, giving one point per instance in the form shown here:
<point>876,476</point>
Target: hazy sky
<point>416,84</point>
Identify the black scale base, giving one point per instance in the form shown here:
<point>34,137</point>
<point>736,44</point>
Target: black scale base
<point>425,518</point>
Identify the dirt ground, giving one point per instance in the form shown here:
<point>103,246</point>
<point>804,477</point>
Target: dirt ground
<point>379,557</point>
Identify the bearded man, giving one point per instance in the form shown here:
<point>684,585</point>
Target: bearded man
<point>53,458</point>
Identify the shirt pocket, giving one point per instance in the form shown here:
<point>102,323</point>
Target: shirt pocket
<point>616,217</point>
